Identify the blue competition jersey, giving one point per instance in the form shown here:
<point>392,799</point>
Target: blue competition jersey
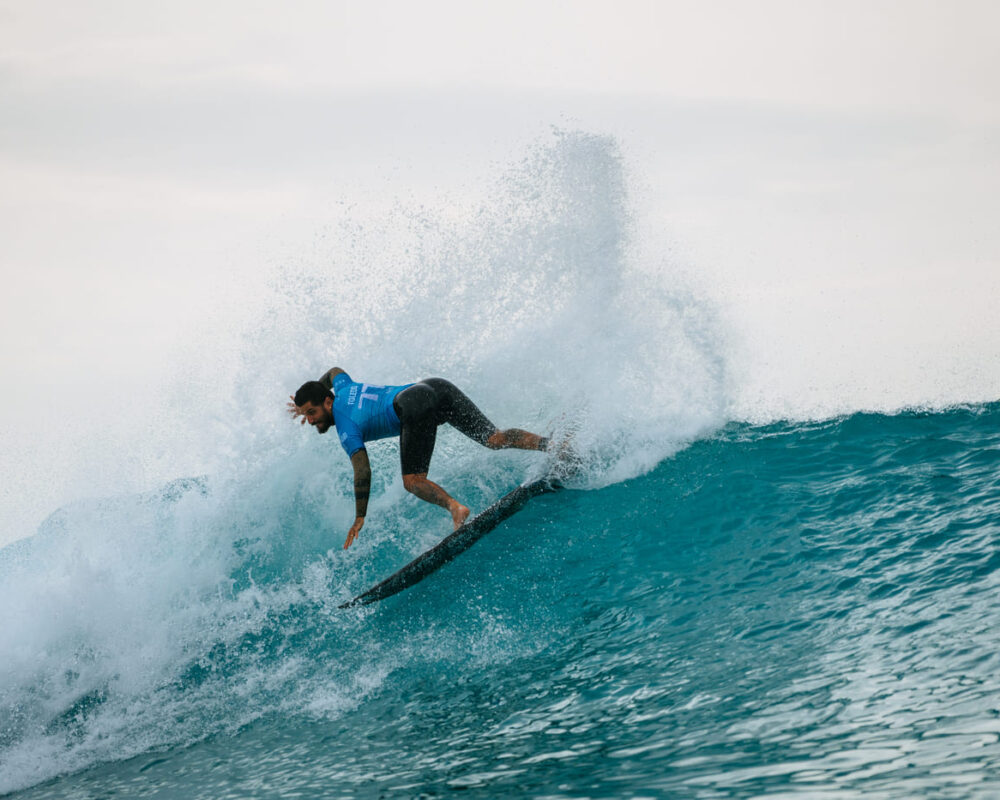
<point>363,412</point>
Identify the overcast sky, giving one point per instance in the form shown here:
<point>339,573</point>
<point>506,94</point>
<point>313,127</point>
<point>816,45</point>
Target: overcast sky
<point>913,54</point>
<point>809,160</point>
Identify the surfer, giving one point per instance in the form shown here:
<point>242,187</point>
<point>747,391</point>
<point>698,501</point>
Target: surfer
<point>363,412</point>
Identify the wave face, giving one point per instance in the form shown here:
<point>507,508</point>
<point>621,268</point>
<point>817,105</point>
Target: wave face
<point>786,609</point>
<point>712,609</point>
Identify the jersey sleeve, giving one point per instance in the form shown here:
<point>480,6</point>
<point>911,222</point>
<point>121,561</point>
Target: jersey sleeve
<point>350,435</point>
<point>342,380</point>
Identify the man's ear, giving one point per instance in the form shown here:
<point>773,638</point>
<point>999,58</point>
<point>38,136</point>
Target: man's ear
<point>328,404</point>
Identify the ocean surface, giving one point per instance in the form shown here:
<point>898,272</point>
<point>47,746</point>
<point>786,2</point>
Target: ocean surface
<point>720,604</point>
<point>795,609</point>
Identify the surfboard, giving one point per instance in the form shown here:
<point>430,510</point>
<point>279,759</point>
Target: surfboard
<point>458,542</point>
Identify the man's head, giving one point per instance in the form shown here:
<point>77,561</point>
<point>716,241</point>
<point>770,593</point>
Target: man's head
<point>315,402</point>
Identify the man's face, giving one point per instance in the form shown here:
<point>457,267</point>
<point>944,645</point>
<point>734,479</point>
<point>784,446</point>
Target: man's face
<point>320,417</point>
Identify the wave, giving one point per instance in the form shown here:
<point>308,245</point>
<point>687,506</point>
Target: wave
<point>762,581</point>
<point>808,577</point>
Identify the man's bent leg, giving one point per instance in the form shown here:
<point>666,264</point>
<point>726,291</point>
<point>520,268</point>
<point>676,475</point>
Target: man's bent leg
<point>418,408</point>
<point>461,413</point>
<point>428,490</point>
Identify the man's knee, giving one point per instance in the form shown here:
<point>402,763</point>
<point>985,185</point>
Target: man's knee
<point>412,482</point>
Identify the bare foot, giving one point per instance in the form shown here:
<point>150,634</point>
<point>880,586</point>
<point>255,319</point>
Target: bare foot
<point>459,513</point>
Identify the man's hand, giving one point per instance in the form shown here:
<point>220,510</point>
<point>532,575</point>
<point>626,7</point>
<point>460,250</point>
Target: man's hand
<point>295,411</point>
<point>352,534</point>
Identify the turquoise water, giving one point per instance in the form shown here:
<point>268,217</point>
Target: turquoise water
<point>795,609</point>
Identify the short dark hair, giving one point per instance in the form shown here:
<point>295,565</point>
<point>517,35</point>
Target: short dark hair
<point>312,392</point>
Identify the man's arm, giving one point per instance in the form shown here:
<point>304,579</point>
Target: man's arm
<point>327,379</point>
<point>362,487</point>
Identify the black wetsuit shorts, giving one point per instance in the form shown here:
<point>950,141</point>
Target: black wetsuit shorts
<point>427,404</point>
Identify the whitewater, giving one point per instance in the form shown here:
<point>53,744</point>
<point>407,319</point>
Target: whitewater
<point>715,607</point>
